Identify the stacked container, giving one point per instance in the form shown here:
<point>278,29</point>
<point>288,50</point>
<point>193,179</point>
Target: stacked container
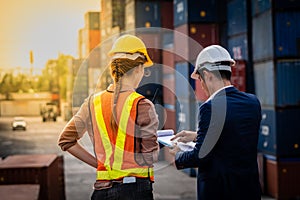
<point>276,56</point>
<point>196,25</point>
<point>239,43</point>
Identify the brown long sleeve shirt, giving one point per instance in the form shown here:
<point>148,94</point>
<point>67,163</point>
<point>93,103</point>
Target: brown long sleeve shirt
<point>146,145</point>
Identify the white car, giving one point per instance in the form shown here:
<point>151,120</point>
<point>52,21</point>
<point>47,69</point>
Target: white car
<point>19,123</point>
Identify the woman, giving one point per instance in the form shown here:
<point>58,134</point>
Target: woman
<point>122,125</point>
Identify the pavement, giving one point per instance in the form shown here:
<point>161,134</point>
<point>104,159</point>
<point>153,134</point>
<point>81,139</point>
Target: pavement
<point>170,183</point>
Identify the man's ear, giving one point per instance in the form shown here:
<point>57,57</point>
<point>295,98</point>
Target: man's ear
<point>207,75</point>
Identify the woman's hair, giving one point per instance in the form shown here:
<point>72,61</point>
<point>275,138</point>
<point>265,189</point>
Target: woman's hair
<point>118,67</point>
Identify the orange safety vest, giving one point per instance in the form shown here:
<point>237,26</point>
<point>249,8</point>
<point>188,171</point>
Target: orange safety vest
<point>115,151</point>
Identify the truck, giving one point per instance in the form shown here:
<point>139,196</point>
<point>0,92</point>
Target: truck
<point>49,111</point>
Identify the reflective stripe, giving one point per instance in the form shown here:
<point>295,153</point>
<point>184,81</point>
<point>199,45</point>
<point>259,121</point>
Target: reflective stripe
<point>116,171</point>
<point>103,132</point>
<point>120,141</point>
<point>138,172</point>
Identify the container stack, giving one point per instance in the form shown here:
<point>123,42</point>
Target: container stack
<point>239,44</point>
<point>196,25</point>
<point>276,56</point>
<point>152,22</point>
<point>168,68</point>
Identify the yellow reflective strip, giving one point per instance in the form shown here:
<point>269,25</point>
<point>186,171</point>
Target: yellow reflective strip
<point>103,131</point>
<point>120,141</point>
<point>140,172</point>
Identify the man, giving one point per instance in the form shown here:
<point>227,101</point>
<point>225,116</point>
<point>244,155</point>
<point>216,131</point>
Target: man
<point>226,140</point>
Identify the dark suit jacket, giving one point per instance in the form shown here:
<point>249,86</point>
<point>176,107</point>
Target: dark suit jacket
<point>226,147</point>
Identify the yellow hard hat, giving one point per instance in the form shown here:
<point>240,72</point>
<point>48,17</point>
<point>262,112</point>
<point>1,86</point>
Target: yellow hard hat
<point>130,44</point>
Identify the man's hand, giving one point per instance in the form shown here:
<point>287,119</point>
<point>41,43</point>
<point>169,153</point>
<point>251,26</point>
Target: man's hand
<point>185,136</point>
<point>173,150</point>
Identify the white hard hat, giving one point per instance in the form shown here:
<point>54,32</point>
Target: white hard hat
<point>213,58</point>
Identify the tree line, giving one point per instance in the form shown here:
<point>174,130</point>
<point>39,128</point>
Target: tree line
<point>52,79</point>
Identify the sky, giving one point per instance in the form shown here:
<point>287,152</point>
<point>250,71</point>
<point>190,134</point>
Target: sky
<point>47,27</point>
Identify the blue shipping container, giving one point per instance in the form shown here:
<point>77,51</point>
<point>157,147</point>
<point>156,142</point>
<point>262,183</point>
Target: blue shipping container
<point>286,4</point>
<point>279,132</point>
<point>278,87</point>
<point>184,85</point>
<point>262,37</point>
<point>264,82</point>
<point>147,14</point>
<point>238,47</point>
<point>287,31</point>
<point>288,83</point>
<point>186,114</point>
<point>186,11</point>
<point>260,6</point>
<point>237,17</point>
<point>168,40</point>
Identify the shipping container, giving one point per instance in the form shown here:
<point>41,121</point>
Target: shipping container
<point>287,83</point>
<point>117,9</point>
<point>169,90</point>
<point>186,11</point>
<point>20,192</point>
<point>167,16</point>
<point>189,39</point>
<point>238,75</point>
<point>237,17</point>
<point>168,39</point>
<point>80,88</point>
<point>238,47</point>
<point>262,37</point>
<point>278,86</point>
<point>186,114</point>
<point>153,43</point>
<point>277,37</point>
<point>148,14</point>
<point>260,6</point>
<point>287,32</point>
<point>46,170</point>
<point>286,4</point>
<point>142,14</point>
<point>94,55</point>
<point>264,82</point>
<point>170,119</point>
<point>279,132</point>
<point>184,84</point>
<point>283,177</point>
<point>92,20</point>
<point>168,60</point>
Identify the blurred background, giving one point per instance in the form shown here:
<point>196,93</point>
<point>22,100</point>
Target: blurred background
<point>53,55</point>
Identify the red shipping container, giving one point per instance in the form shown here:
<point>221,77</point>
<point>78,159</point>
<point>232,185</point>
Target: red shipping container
<point>238,75</point>
<point>170,119</point>
<point>45,170</point>
<point>167,17</point>
<point>94,39</point>
<point>283,178</point>
<point>19,192</point>
<point>169,90</point>
<point>153,44</point>
<point>189,39</point>
<point>168,60</point>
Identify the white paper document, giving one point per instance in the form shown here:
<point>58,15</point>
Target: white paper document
<point>164,137</point>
